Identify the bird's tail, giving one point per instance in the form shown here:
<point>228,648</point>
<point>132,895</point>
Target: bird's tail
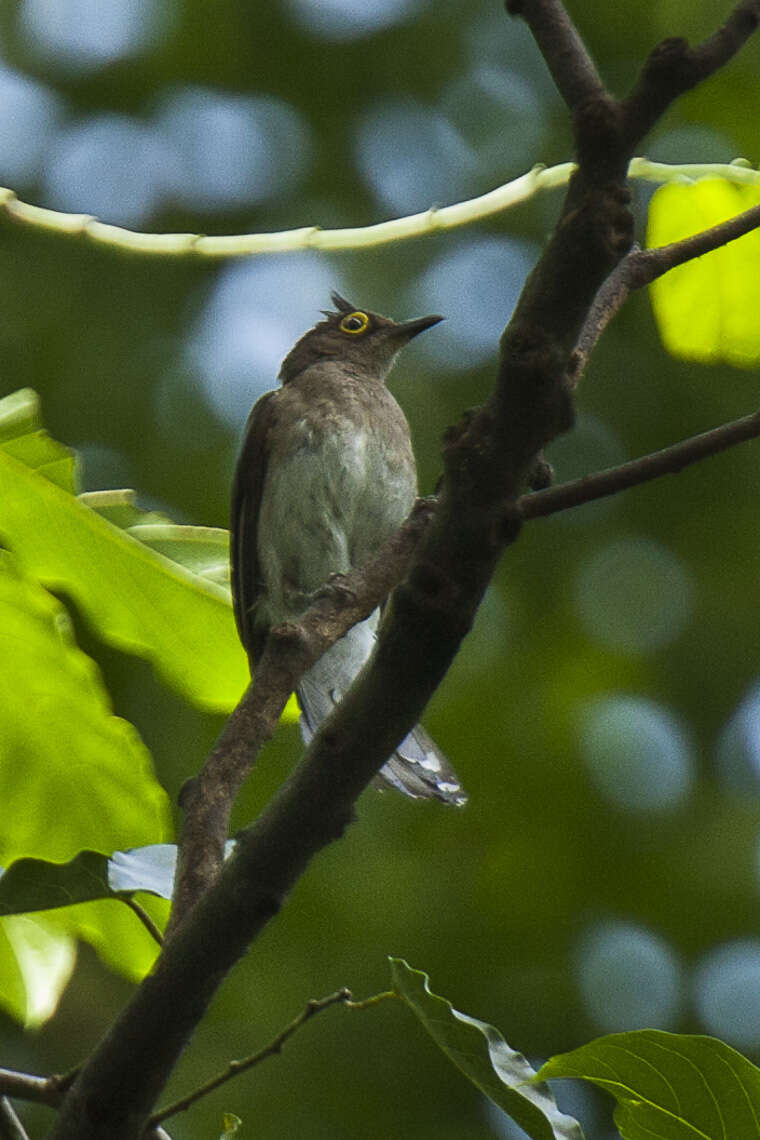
<point>417,768</point>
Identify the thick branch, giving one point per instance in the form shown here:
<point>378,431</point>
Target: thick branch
<point>570,64</point>
<point>486,461</point>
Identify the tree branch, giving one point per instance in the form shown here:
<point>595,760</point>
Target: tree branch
<point>673,68</point>
<point>572,68</point>
<point>669,461</point>
<point>24,1086</point>
<point>642,267</point>
<point>49,1091</point>
<point>486,460</point>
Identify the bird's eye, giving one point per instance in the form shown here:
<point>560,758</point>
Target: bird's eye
<point>355,324</point>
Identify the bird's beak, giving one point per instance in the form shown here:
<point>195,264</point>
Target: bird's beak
<point>408,329</point>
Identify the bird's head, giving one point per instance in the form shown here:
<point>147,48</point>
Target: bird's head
<point>364,342</point>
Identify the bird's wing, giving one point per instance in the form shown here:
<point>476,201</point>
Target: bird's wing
<point>247,489</point>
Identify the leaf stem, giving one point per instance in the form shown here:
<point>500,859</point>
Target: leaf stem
<point>144,917</point>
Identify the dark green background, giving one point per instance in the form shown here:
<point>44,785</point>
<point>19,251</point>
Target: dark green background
<point>497,901</point>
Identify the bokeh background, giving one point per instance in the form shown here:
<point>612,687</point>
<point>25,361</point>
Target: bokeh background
<point>605,712</point>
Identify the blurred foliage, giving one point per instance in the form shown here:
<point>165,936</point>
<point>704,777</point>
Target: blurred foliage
<point>135,361</point>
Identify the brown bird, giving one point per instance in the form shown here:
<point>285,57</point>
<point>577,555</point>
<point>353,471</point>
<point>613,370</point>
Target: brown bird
<point>325,476</point>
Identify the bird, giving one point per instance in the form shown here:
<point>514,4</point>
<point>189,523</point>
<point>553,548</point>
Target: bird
<point>325,475</point>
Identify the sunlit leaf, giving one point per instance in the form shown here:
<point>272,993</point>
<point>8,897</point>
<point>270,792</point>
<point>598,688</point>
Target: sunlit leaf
<point>71,773</point>
<point>69,768</point>
<point>137,600</point>
<point>482,1054</point>
<point>204,550</point>
<point>115,932</point>
<point>173,601</point>
<point>22,435</point>
<point>707,309</point>
<point>669,1085</point>
<point>36,961</point>
<point>33,885</point>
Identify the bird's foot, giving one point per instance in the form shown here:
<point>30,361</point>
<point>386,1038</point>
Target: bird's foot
<point>337,590</point>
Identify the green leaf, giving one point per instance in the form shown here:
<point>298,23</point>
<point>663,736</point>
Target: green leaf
<point>37,884</point>
<point>120,508</point>
<point>71,773</point>
<point>482,1054</point>
<point>69,768</point>
<point>22,435</point>
<point>706,310</point>
<point>36,962</point>
<point>118,937</point>
<point>672,1086</point>
<point>204,550</point>
<point>137,599</point>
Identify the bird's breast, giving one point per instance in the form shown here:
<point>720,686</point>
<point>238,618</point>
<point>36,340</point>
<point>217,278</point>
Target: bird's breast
<point>339,482</point>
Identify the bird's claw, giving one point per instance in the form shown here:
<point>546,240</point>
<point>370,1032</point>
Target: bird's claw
<point>337,589</point>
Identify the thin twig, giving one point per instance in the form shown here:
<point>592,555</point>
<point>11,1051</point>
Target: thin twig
<point>24,1086</point>
<point>668,461</point>
<point>234,1068</point>
<point>11,1127</point>
<point>376,999</point>
<point>642,266</point>
<point>144,917</point>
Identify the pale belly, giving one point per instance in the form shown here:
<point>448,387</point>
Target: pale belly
<point>327,505</point>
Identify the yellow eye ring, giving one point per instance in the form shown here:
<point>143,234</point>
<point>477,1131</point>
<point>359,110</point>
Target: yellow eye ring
<point>354,324</point>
